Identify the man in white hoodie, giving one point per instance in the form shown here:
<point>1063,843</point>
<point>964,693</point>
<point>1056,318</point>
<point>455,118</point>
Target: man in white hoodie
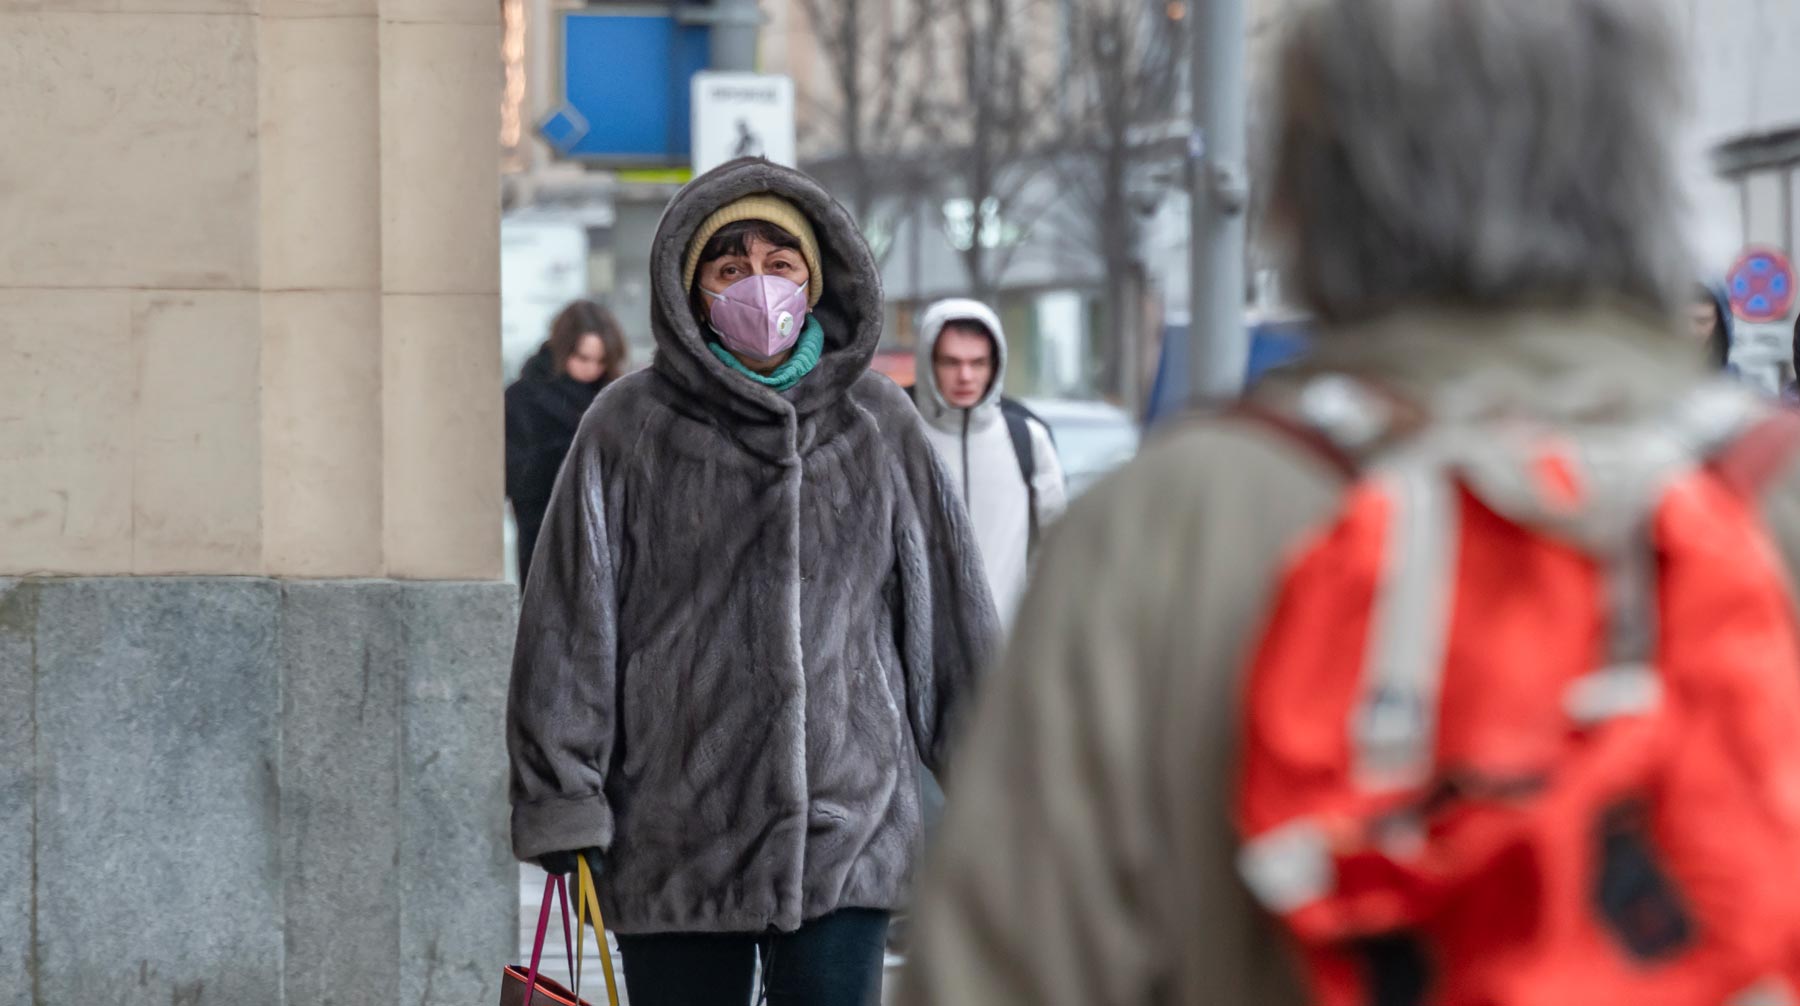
<point>1002,459</point>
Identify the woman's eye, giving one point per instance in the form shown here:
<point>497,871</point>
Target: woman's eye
<point>729,270</point>
<point>780,266</point>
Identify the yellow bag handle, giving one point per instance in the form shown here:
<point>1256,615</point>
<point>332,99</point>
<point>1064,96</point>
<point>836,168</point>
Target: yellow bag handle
<point>587,898</point>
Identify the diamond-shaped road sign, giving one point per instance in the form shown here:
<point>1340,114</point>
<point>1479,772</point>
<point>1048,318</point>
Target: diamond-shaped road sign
<point>564,128</point>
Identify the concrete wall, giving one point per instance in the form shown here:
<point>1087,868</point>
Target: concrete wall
<point>240,790</point>
<point>249,288</point>
<point>1747,79</point>
<point>250,419</point>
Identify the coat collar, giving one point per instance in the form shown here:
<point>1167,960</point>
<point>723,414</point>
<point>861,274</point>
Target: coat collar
<point>1634,358</point>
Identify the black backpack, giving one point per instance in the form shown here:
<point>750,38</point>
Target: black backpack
<point>1018,419</point>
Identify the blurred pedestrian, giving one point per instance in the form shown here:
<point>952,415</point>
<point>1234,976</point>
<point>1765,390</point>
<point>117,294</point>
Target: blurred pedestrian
<point>1453,212</point>
<point>1000,455</point>
<point>1790,389</point>
<point>585,352</point>
<point>757,602</point>
<point>1001,458</point>
<point>1709,319</point>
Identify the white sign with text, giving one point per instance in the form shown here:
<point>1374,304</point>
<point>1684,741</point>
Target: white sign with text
<point>742,115</point>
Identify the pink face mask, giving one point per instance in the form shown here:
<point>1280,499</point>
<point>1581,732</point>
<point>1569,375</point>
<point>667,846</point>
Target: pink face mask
<point>759,316</point>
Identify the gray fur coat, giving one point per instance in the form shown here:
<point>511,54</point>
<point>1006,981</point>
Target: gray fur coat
<point>748,612</point>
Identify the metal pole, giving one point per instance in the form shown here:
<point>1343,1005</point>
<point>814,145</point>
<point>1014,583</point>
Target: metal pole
<point>734,27</point>
<point>1218,348</point>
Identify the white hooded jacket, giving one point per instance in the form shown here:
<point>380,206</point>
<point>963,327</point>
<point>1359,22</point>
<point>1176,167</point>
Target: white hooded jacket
<point>978,450</point>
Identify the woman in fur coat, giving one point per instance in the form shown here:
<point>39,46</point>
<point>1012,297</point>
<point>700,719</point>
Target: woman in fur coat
<point>756,601</point>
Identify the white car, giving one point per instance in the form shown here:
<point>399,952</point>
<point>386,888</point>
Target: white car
<point>1092,438</point>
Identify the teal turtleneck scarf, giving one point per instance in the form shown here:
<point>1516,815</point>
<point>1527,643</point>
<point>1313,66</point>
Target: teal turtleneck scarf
<point>805,358</point>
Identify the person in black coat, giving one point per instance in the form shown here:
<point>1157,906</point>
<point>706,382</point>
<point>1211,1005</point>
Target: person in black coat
<point>585,352</point>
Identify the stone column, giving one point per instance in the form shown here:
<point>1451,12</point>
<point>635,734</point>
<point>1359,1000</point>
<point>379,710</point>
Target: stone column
<point>253,638</point>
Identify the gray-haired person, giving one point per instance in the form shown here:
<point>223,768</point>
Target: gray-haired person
<point>1464,186</point>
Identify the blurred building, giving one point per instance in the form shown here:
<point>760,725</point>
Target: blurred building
<point>1747,75</point>
<point>1747,70</point>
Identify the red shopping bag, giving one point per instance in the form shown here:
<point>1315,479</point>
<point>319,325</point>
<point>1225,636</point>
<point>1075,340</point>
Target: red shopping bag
<point>519,986</point>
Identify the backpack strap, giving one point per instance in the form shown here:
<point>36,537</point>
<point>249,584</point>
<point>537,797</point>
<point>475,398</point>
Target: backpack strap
<point>1339,420</point>
<point>1309,438</point>
<point>1752,461</point>
<point>1745,446</point>
<point>1394,730</point>
<point>1018,420</point>
<point>1342,422</point>
<point>1018,427</point>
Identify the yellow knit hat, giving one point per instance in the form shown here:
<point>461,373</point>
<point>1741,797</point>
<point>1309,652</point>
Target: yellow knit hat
<point>770,209</point>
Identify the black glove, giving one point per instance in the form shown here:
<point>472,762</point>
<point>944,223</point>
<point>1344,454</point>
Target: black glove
<point>562,863</point>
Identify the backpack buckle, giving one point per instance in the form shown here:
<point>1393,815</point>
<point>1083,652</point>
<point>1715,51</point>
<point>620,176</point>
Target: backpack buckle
<point>1289,867</point>
<point>1345,410</point>
<point>1611,693</point>
<point>1392,737</point>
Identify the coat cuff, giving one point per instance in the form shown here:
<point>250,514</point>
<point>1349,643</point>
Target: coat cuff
<point>561,824</point>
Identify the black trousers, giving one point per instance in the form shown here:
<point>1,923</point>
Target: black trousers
<point>831,961</point>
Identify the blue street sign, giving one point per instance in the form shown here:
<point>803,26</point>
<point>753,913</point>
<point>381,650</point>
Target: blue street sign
<point>564,128</point>
<point>1272,344</point>
<point>626,87</point>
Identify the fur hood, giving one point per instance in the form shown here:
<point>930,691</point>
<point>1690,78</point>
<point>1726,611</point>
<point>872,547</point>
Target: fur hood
<point>849,310</point>
<point>750,614</point>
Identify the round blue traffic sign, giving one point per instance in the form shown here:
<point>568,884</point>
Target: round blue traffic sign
<point>1761,286</point>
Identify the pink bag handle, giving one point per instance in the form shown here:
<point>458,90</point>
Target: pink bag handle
<point>553,885</point>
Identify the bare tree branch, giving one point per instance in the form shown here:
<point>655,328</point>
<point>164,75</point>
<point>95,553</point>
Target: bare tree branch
<point>874,51</point>
<point>1123,79</point>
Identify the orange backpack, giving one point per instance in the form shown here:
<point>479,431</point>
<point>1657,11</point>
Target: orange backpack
<point>1524,726</point>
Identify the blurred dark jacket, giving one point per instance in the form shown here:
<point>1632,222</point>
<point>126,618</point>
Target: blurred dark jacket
<point>543,411</point>
<point>1719,347</point>
<point>1088,856</point>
